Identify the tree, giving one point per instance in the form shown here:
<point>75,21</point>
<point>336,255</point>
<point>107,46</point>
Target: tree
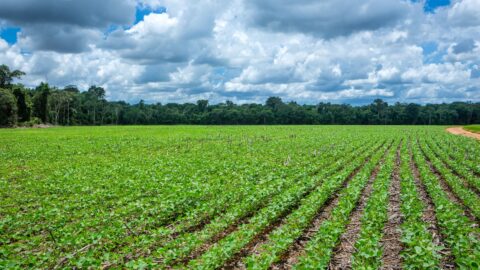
<point>24,103</point>
<point>202,105</point>
<point>274,102</point>
<point>8,108</point>
<point>412,112</point>
<point>96,98</point>
<point>379,107</point>
<point>58,102</point>
<point>40,102</point>
<point>7,76</point>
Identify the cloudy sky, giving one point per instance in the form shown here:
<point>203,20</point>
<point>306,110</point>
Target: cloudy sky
<point>246,50</point>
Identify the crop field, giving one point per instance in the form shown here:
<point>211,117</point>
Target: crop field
<point>473,128</point>
<point>239,197</point>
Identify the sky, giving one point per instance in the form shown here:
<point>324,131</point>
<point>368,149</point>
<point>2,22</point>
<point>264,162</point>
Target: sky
<point>244,51</point>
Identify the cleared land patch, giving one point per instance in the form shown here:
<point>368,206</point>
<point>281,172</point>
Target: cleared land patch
<point>247,197</point>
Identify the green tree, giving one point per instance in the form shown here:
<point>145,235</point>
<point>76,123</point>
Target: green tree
<point>40,102</point>
<point>7,75</point>
<point>274,102</point>
<point>8,108</point>
<point>24,103</point>
<point>202,105</point>
<point>95,103</point>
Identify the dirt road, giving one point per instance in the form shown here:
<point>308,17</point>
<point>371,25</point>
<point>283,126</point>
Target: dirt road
<point>461,131</point>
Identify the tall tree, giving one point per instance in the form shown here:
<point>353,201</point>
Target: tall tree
<point>40,102</point>
<point>24,103</point>
<point>93,103</point>
<point>7,75</point>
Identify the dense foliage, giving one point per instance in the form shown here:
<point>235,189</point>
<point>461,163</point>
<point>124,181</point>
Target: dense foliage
<point>70,106</point>
<point>255,197</point>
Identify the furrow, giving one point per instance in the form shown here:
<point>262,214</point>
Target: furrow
<point>342,254</point>
<point>223,251</point>
<point>318,251</point>
<point>429,217</point>
<point>447,188</point>
<point>323,199</point>
<point>392,246</point>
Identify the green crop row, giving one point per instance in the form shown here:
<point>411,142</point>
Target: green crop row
<point>455,164</point>
<point>419,250</point>
<point>319,249</point>
<point>210,197</point>
<point>282,237</point>
<point>368,252</point>
<point>221,251</point>
<point>468,197</point>
<point>106,200</point>
<point>459,232</point>
<point>184,244</point>
<point>242,201</point>
<point>464,150</point>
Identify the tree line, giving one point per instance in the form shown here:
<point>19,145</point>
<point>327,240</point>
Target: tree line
<point>22,106</point>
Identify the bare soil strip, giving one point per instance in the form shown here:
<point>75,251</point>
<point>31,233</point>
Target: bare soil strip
<point>391,235</point>
<point>296,249</point>
<point>463,132</point>
<point>342,253</point>
<point>448,190</point>
<point>430,218</point>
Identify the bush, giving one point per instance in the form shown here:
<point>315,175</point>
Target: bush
<point>33,121</point>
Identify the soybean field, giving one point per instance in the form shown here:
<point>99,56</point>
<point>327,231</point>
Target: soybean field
<point>239,197</point>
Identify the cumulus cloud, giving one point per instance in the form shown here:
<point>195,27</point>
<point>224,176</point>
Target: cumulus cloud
<point>65,26</point>
<point>85,13</point>
<point>326,18</point>
<point>465,13</point>
<point>248,50</point>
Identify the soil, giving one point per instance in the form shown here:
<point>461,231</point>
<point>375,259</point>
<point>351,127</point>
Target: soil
<point>430,218</point>
<point>391,235</point>
<point>463,132</point>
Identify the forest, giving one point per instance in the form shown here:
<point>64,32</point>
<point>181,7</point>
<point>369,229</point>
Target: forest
<point>68,106</point>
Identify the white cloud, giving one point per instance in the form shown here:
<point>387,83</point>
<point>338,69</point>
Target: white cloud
<point>465,13</point>
<point>153,24</point>
<point>245,50</point>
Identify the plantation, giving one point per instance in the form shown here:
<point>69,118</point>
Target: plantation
<point>236,197</point>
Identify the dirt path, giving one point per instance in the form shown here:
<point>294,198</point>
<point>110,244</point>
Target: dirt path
<point>463,132</point>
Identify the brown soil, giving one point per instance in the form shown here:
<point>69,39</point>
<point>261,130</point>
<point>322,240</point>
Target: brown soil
<point>430,218</point>
<point>463,132</point>
<point>342,253</point>
<point>391,235</point>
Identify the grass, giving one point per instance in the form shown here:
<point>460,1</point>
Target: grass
<point>473,128</point>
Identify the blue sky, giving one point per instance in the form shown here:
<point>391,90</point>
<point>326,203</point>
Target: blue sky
<point>9,34</point>
<point>431,5</point>
<point>248,50</point>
